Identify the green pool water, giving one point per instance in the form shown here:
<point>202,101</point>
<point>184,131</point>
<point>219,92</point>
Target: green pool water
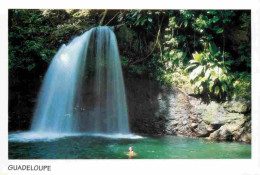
<point>86,146</point>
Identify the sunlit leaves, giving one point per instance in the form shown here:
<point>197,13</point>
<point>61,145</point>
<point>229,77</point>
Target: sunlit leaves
<point>242,85</point>
<point>197,57</point>
<point>141,17</point>
<point>211,84</point>
<point>192,66</point>
<point>196,72</point>
<point>208,73</point>
<point>216,92</point>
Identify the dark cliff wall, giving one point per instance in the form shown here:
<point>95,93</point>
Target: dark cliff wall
<point>155,109</point>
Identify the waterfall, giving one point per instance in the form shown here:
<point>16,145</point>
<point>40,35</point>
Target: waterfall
<point>83,89</point>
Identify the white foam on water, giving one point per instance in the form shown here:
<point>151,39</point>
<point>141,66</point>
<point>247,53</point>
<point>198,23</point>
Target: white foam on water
<point>115,136</point>
<point>36,136</point>
<point>50,136</point>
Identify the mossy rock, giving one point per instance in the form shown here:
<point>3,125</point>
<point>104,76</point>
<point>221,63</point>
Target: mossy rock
<point>236,130</point>
<point>224,133</point>
<point>237,107</point>
<point>213,113</point>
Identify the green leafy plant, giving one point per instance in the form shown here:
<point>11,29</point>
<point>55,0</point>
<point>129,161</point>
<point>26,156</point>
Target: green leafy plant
<point>209,74</point>
<point>241,86</point>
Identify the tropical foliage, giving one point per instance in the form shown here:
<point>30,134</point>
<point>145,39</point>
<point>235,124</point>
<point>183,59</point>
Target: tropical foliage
<point>205,52</point>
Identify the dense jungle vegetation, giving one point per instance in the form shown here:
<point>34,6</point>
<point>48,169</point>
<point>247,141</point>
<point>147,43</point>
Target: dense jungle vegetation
<point>205,53</point>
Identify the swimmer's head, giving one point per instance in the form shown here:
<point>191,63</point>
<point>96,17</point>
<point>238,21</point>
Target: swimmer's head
<point>130,148</point>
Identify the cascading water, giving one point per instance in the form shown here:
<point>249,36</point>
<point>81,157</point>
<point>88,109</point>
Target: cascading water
<point>83,89</point>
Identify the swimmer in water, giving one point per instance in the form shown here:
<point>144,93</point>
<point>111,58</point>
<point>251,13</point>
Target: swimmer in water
<point>131,152</point>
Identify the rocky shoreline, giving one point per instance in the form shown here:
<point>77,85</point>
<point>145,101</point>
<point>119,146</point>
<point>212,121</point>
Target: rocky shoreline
<point>176,113</point>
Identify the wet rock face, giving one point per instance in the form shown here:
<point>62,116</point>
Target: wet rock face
<point>177,117</point>
<point>154,109</point>
<point>143,106</point>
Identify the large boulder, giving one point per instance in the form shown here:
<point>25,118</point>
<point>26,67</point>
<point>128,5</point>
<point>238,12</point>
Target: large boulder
<point>235,131</point>
<point>237,106</point>
<point>216,122</point>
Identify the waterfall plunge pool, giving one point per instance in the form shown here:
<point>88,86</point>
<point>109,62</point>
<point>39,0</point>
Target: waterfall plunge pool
<point>29,145</point>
